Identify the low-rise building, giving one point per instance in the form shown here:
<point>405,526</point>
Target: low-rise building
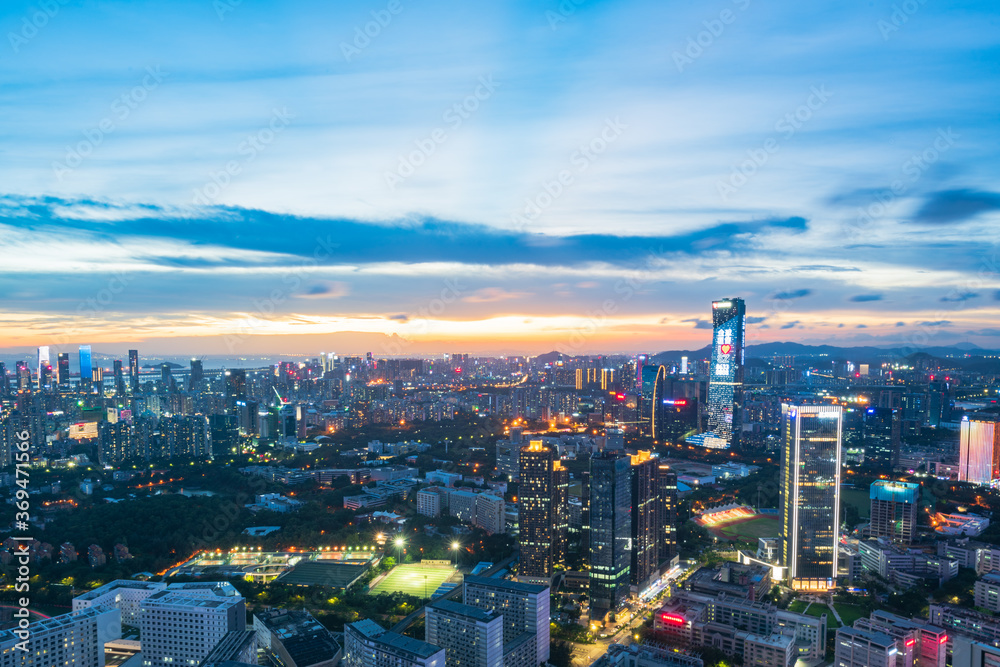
<point>857,648</point>
<point>987,593</point>
<point>367,644</point>
<point>295,639</point>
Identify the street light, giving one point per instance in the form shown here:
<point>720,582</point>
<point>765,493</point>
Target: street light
<point>454,547</point>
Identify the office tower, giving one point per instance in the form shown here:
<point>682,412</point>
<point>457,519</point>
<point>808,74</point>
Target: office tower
<point>181,625</point>
<point>525,609</point>
<point>224,434</point>
<point>43,362</point>
<point>367,644</point>
<point>610,532</point>
<point>133,370</point>
<point>76,639</point>
<point>810,494</point>
<point>542,514</point>
<point>650,401</point>
<point>119,378</point>
<point>86,367</point>
<point>979,450</point>
<point>236,387</point>
<point>98,379</point>
<point>684,365</point>
<point>197,375</point>
<point>63,370</point>
<point>44,377</point>
<point>725,384</point>
<point>645,528</point>
<point>881,427</point>
<point>167,376</point>
<point>894,510</point>
<point>4,381</point>
<point>490,513</point>
<point>666,517</point>
<point>470,637</point>
<point>295,639</point>
<point>858,648</point>
<point>23,377</point>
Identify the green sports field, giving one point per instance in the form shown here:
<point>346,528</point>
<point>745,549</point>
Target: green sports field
<point>748,530</point>
<point>418,580</point>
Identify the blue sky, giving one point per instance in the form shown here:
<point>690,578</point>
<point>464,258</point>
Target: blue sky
<point>516,178</point>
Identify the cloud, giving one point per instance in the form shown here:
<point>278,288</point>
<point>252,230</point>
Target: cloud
<point>700,324</point>
<point>936,323</point>
<point>493,294</point>
<point>963,296</point>
<point>996,295</point>
<point>864,298</point>
<point>325,290</point>
<point>788,296</point>
<point>948,206</point>
<point>861,326</point>
<point>755,320</point>
<point>402,317</point>
<point>900,324</point>
<point>790,325</point>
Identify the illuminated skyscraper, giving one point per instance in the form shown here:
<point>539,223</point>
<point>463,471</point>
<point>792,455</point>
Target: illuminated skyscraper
<point>666,516</point>
<point>44,365</point>
<point>133,370</point>
<point>882,436</point>
<point>86,367</point>
<point>610,532</point>
<point>725,384</point>
<point>651,393</point>
<point>894,510</point>
<point>542,511</point>
<point>4,381</point>
<point>979,450</point>
<point>810,493</point>
<point>63,370</point>
<point>644,489</point>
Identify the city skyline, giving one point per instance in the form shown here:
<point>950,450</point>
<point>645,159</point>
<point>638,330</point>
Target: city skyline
<point>257,179</point>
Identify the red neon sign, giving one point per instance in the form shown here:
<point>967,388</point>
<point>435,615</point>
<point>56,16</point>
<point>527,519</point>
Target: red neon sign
<point>681,402</point>
<point>673,619</point>
<point>943,639</point>
<point>911,642</point>
<point>620,397</point>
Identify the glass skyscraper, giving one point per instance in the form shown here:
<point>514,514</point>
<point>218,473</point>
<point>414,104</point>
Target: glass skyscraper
<point>810,493</point>
<point>86,366</point>
<point>542,512</point>
<point>979,450</point>
<point>610,531</point>
<point>725,384</point>
<point>133,370</point>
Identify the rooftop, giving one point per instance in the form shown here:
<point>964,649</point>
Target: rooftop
<point>505,584</point>
<point>460,609</point>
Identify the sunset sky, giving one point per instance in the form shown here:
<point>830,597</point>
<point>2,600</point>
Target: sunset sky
<point>419,177</point>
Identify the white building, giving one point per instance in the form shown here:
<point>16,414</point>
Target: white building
<point>771,651</point>
<point>857,648</point>
<point>431,501</point>
<point>490,513</point>
<point>181,625</point>
<point>76,639</point>
<point>987,593</point>
<point>525,608</point>
<point>443,477</point>
<point>367,644</point>
<point>470,637</point>
<point>125,595</point>
<point>462,505</point>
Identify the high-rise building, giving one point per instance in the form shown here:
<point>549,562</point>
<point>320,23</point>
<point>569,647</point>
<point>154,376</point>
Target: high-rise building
<point>650,400</point>
<point>666,516</point>
<point>133,370</point>
<point>63,370</point>
<point>181,625</point>
<point>368,644</point>
<point>197,375</point>
<point>610,532</point>
<point>882,436</point>
<point>23,376</point>
<point>810,494</point>
<point>236,387</point>
<point>115,443</point>
<point>894,510</point>
<point>725,384</point>
<point>525,609</point>
<point>470,637</point>
<point>979,450</point>
<point>119,378</point>
<point>167,376</point>
<point>43,362</point>
<point>4,381</point>
<point>645,528</point>
<point>543,517</point>
<point>86,367</point>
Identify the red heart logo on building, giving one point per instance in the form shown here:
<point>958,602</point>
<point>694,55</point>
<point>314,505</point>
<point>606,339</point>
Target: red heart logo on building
<point>726,348</point>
